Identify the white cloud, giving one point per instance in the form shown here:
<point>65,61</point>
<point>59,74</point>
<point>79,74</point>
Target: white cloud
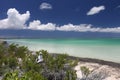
<point>45,6</point>
<point>36,25</point>
<point>71,27</point>
<point>95,10</point>
<point>15,20</point>
<point>86,28</point>
<point>115,30</point>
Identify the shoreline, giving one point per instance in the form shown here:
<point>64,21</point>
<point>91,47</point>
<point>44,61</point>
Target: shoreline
<point>93,60</point>
<point>98,50</point>
<point>99,61</point>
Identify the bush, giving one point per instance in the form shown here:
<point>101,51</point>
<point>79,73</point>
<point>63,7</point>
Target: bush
<point>31,75</point>
<point>53,67</point>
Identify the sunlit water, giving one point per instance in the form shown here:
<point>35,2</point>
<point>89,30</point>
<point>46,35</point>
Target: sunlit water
<point>106,49</point>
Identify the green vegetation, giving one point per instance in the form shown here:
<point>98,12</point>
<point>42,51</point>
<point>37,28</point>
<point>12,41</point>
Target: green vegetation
<point>85,71</point>
<point>18,63</point>
<point>31,75</point>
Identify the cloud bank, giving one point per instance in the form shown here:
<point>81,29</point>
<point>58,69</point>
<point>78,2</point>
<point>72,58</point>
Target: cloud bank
<point>44,6</point>
<point>36,25</point>
<point>96,10</point>
<point>15,20</point>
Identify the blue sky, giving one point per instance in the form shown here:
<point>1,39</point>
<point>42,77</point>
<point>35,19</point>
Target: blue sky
<point>61,15</point>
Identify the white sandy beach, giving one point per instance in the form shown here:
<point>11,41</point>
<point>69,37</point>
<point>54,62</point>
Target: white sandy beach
<point>111,73</point>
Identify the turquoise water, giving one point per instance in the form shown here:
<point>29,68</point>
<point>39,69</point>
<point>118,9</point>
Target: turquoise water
<point>106,49</point>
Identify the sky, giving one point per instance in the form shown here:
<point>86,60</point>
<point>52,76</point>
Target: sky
<point>102,16</point>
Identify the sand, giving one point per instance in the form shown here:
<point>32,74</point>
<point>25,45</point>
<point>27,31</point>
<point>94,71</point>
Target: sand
<point>112,73</point>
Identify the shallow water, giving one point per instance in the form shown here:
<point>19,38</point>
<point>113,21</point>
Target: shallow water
<point>106,49</point>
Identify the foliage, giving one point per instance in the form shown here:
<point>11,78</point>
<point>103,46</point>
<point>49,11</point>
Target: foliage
<point>18,51</point>
<point>11,76</point>
<point>29,63</point>
<point>71,75</point>
<point>2,53</point>
<point>85,71</point>
<point>12,62</point>
<point>53,67</point>
<point>31,75</point>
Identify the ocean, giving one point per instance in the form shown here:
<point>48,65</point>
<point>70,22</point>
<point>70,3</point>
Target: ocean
<point>105,49</point>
